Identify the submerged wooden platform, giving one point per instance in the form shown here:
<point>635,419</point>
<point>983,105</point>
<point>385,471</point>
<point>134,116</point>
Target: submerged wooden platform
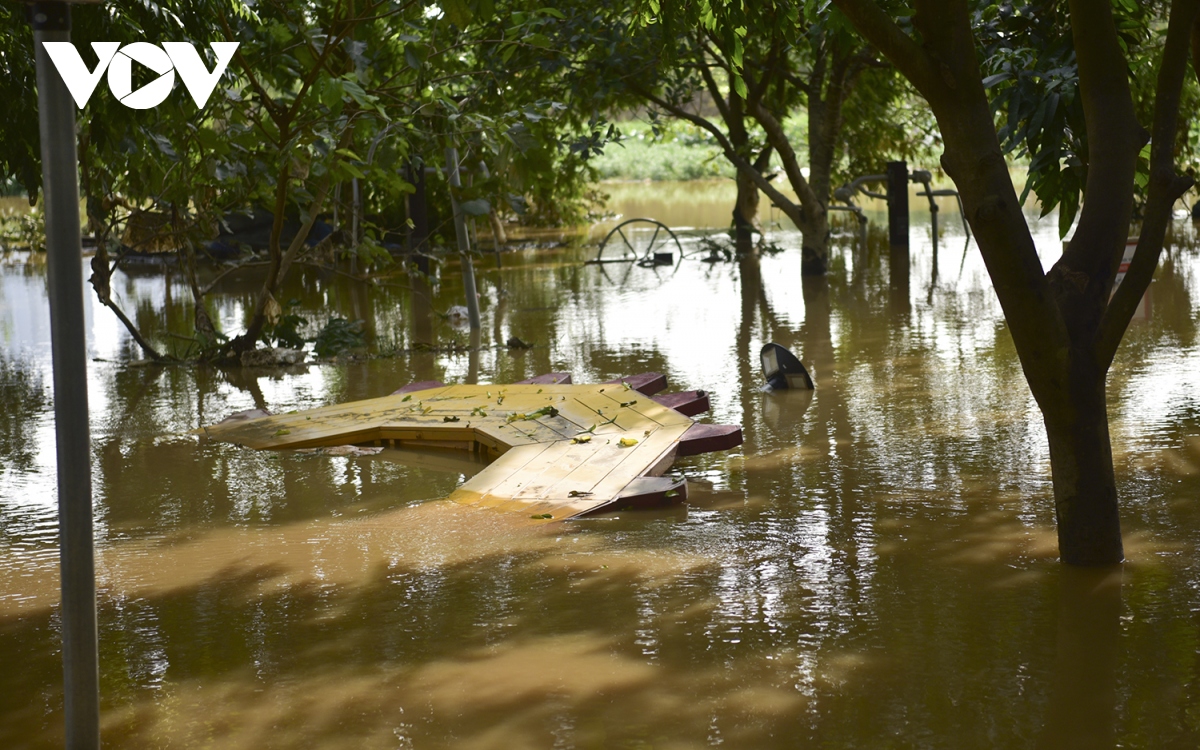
<point>558,450</point>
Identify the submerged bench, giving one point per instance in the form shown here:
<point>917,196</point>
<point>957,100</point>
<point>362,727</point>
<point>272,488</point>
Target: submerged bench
<point>558,450</point>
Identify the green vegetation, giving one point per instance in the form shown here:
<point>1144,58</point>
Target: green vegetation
<point>677,152</point>
<point>671,150</point>
<point>328,112</point>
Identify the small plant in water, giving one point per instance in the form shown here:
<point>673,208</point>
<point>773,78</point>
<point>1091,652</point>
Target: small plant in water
<point>339,335</point>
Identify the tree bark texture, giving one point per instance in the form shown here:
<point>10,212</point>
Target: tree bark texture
<point>745,211</point>
<point>1085,491</point>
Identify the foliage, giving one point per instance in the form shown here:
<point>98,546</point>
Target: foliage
<point>885,119</point>
<point>26,229</point>
<point>324,101</point>
<point>1030,69</point>
<point>337,336</point>
<point>20,160</point>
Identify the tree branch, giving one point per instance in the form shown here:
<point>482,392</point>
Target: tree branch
<point>301,237</point>
<point>878,28</point>
<point>1114,139</point>
<point>793,211</point>
<point>1165,184</point>
<point>791,165</point>
<point>273,109</point>
<point>715,91</point>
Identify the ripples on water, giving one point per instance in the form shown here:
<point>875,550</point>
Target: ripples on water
<point>875,567</point>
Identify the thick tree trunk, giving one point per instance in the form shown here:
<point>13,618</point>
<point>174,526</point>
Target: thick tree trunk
<point>745,212</point>
<point>1054,319</point>
<point>1085,489</point>
<point>814,252</point>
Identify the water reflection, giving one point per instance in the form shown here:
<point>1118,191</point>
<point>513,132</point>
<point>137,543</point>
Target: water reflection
<point>1083,706</point>
<point>875,567</point>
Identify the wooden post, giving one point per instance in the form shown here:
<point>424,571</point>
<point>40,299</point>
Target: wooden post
<point>64,253</point>
<point>464,241</point>
<point>897,193</point>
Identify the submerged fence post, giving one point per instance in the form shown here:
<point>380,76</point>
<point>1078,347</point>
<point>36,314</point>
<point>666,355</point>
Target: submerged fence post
<point>897,193</point>
<point>60,188</point>
<point>464,241</point>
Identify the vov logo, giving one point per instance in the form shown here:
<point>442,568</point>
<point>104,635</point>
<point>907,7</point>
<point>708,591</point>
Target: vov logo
<point>166,61</point>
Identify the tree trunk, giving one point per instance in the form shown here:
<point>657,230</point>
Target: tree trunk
<point>1052,320</point>
<point>814,252</point>
<point>1085,489</point>
<point>745,212</point>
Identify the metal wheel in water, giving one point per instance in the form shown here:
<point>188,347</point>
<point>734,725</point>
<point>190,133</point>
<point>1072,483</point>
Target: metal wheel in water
<point>621,245</point>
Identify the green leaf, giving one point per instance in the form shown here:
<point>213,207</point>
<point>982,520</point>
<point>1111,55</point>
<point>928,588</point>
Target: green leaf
<point>739,85</point>
<point>457,12</point>
<point>410,57</point>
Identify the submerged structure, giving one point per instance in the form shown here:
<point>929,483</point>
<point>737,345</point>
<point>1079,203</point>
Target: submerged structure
<point>558,450</point>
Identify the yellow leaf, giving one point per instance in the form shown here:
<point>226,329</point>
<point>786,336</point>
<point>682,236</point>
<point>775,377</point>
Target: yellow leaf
<point>627,442</point>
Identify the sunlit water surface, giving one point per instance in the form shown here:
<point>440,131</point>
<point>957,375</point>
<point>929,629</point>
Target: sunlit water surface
<point>874,568</point>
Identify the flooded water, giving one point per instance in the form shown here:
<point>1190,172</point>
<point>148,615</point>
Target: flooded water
<point>874,568</point>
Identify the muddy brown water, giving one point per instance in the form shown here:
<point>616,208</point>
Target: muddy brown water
<point>874,568</point>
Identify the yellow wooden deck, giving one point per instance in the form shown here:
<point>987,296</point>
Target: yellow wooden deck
<point>559,450</point>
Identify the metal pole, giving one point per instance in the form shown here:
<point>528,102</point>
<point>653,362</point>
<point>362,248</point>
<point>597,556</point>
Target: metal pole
<point>464,241</point>
<point>60,188</point>
<point>897,193</point>
<point>933,220</point>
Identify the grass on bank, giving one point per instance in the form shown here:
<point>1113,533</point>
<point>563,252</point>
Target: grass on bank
<point>679,151</point>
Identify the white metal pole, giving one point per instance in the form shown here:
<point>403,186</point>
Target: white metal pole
<point>60,189</point>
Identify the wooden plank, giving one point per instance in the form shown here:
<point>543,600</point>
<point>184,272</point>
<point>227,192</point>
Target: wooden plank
<point>645,407</point>
<point>537,470</point>
<point>688,403</point>
<point>644,492</point>
<point>420,385</point>
<point>614,466</point>
<point>706,438</point>
<point>648,383</point>
<point>550,378</point>
<point>265,432</point>
<point>535,478</point>
<point>606,410</point>
<point>513,461</point>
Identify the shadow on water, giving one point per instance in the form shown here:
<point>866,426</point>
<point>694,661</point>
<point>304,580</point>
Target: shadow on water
<point>1083,702</point>
<point>486,635</point>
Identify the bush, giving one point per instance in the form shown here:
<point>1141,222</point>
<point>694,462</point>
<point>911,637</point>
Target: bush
<point>339,335</point>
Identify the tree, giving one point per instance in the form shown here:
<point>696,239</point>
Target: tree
<point>1068,322</point>
<point>759,64</point>
<point>320,96</point>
